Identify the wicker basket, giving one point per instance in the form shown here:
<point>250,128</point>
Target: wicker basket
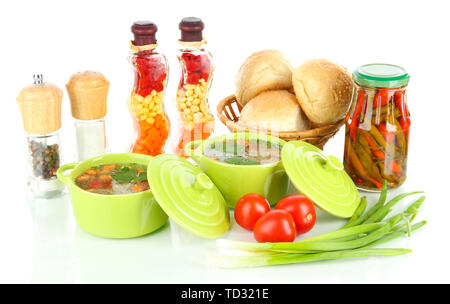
<point>228,111</point>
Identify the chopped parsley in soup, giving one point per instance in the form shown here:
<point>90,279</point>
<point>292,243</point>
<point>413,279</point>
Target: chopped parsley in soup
<point>244,151</point>
<point>114,179</point>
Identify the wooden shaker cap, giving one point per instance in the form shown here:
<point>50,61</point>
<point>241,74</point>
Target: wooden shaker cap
<point>40,105</point>
<point>88,92</point>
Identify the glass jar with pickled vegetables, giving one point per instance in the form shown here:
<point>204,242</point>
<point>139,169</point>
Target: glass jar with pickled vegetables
<point>377,127</point>
<point>196,119</point>
<point>146,103</point>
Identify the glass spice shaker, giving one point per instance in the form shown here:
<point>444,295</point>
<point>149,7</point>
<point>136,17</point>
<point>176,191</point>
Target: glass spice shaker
<point>196,119</point>
<point>40,106</point>
<point>88,92</point>
<point>146,103</point>
<point>377,127</point>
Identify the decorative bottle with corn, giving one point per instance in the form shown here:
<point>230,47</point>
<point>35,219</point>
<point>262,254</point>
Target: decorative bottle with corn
<point>196,119</point>
<point>146,102</point>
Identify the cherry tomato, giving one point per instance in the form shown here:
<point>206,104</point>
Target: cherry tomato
<point>275,226</point>
<point>301,209</point>
<point>249,209</point>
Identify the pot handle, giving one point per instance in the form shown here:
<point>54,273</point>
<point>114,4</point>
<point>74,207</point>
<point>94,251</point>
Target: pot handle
<point>192,150</point>
<point>65,178</point>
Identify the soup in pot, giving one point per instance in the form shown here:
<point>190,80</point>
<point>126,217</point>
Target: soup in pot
<point>113,179</point>
<point>244,151</point>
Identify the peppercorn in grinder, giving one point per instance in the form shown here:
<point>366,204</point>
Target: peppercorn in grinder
<point>40,105</point>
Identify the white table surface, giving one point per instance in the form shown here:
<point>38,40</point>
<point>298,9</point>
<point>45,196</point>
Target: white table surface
<point>44,244</point>
<point>39,239</point>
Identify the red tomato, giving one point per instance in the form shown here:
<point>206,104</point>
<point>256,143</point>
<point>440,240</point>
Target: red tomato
<point>249,209</point>
<point>301,209</point>
<point>275,226</point>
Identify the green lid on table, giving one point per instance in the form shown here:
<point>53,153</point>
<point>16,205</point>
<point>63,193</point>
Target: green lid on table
<point>380,75</point>
<point>188,196</point>
<point>320,178</point>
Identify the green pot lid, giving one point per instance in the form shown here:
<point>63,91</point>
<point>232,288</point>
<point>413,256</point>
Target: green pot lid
<point>188,196</point>
<point>380,75</point>
<point>320,178</point>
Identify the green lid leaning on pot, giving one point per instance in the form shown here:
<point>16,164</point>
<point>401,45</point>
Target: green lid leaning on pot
<point>188,196</point>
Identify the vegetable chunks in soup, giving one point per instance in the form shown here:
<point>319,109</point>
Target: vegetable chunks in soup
<point>244,151</point>
<point>114,179</point>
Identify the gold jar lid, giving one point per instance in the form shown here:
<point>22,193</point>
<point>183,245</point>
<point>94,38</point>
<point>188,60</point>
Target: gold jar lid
<point>40,105</point>
<point>88,92</point>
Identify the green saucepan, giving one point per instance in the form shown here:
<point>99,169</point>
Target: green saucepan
<point>112,216</point>
<point>234,181</point>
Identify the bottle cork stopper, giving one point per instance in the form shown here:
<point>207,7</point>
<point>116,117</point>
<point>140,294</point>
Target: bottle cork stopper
<point>88,92</point>
<point>144,33</point>
<point>191,29</point>
<point>40,106</point>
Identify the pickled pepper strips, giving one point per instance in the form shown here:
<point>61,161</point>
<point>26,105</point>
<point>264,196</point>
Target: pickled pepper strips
<point>356,164</point>
<point>400,103</point>
<point>378,151</point>
<point>373,146</point>
<point>353,122</point>
<point>146,103</point>
<point>382,98</point>
<point>197,122</point>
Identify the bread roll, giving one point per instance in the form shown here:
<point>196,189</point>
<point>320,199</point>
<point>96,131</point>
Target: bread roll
<point>323,89</point>
<point>263,71</point>
<point>274,110</point>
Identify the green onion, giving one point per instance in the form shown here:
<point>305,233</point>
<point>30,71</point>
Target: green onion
<point>371,211</point>
<point>346,232</point>
<point>384,210</point>
<point>307,247</point>
<point>396,234</point>
<point>358,212</point>
<point>355,239</point>
<point>224,261</point>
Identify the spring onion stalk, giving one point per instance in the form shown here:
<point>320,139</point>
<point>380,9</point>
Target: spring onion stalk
<point>309,247</point>
<point>414,208</point>
<point>383,216</point>
<point>358,212</point>
<point>382,211</point>
<point>283,258</point>
<point>393,235</point>
<point>411,212</point>
<point>371,211</point>
<point>346,232</point>
<point>243,253</point>
<point>355,239</point>
<point>332,245</point>
<point>252,247</point>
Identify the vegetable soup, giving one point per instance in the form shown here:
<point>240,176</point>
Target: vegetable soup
<point>244,151</point>
<point>114,179</point>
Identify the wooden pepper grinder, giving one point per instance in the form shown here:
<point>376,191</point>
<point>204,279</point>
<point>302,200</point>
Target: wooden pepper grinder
<point>40,105</point>
<point>88,92</point>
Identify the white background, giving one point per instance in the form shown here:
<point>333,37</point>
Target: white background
<point>39,239</point>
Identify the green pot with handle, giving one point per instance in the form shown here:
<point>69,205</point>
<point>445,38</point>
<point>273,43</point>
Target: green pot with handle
<point>112,216</point>
<point>320,177</point>
<point>234,181</point>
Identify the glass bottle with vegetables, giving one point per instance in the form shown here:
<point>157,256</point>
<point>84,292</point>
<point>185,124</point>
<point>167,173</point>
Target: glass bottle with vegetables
<point>146,102</point>
<point>40,105</point>
<point>196,119</point>
<point>377,127</point>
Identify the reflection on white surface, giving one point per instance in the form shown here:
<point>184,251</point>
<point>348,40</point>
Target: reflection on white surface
<point>53,258</point>
<point>63,252</point>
